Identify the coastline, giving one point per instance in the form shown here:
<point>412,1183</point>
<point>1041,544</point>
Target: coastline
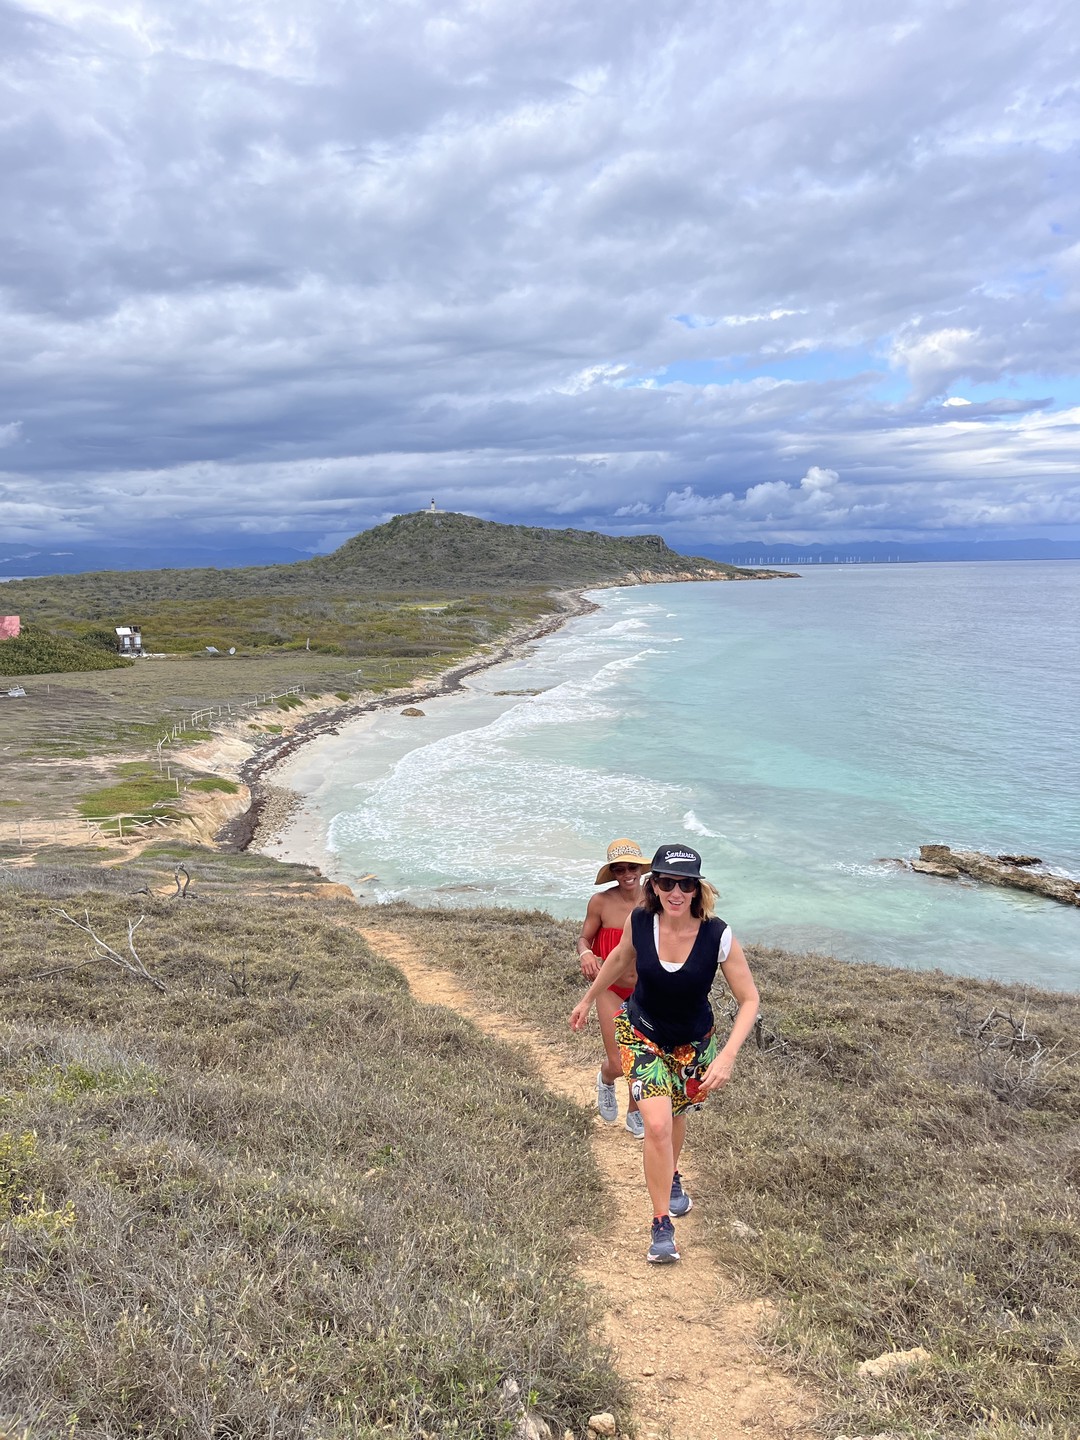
<point>274,808</point>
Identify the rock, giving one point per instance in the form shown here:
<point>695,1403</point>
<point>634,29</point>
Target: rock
<point>531,1427</point>
<point>602,1424</point>
<point>510,1392</point>
<point>1013,871</point>
<point>740,1230</point>
<point>412,710</point>
<point>934,867</point>
<point>526,1424</point>
<point>891,1362</point>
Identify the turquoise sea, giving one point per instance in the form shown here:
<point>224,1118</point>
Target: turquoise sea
<point>801,734</point>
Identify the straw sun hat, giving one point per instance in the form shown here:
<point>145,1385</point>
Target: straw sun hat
<point>621,852</point>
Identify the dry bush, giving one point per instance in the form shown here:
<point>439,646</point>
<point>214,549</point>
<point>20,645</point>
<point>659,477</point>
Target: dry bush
<point>311,1211</point>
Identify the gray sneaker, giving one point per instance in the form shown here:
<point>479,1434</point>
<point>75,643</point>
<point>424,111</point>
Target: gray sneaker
<point>680,1202</point>
<point>662,1251</point>
<point>635,1124</point>
<point>607,1102</point>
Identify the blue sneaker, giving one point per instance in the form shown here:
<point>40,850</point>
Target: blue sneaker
<point>662,1251</point>
<point>680,1202</point>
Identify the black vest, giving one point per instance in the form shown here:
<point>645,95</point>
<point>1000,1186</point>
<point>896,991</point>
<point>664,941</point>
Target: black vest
<point>672,1007</point>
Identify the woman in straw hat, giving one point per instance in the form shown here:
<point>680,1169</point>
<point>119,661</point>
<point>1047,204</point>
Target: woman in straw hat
<point>605,917</point>
<point>670,952</point>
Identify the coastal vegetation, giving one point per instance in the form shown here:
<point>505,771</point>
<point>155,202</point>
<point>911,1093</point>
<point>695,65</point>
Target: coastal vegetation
<point>274,1196</point>
<point>281,1194</point>
<point>421,584</point>
<point>39,651</point>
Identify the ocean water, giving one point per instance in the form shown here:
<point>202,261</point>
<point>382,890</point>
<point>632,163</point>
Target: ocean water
<point>802,734</point>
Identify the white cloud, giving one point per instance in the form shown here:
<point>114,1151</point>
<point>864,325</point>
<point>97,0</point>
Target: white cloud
<point>464,245</point>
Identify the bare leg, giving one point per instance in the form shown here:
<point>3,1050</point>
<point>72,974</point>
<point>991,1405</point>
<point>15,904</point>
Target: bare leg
<point>678,1135</point>
<point>608,1006</point>
<point>660,1152</point>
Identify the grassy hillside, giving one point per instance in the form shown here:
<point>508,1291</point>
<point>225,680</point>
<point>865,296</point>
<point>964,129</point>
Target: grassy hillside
<point>276,1197</point>
<point>282,1198</point>
<point>905,1148</point>
<point>431,555</point>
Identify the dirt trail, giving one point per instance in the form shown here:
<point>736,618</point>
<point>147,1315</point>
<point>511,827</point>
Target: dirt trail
<point>681,1334</point>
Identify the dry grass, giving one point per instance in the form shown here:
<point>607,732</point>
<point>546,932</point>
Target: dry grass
<point>280,1199</point>
<point>909,1184</point>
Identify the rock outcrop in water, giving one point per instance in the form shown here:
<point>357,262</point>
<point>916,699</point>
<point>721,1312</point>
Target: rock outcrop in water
<point>1018,872</point>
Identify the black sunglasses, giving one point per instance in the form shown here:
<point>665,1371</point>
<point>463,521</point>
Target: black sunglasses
<point>668,882</point>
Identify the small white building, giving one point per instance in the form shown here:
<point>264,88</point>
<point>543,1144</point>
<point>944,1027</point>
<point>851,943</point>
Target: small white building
<point>129,639</point>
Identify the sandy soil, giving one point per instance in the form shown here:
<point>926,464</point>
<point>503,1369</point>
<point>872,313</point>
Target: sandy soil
<point>682,1334</point>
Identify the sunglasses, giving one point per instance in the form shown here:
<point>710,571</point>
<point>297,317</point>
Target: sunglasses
<point>668,882</point>
<point>625,869</point>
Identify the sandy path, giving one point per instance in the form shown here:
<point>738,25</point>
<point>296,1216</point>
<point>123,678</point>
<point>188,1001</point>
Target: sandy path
<point>681,1334</point>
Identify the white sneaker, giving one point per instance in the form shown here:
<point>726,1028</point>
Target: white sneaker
<point>607,1102</point>
<point>635,1124</point>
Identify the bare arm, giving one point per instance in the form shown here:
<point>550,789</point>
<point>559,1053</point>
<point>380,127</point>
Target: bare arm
<point>741,984</point>
<point>590,963</point>
<point>618,968</point>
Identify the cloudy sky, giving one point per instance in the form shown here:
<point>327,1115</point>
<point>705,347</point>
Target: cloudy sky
<point>752,269</point>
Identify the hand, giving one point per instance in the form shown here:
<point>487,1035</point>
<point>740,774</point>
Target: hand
<point>579,1016</point>
<point>590,965</point>
<point>718,1073</point>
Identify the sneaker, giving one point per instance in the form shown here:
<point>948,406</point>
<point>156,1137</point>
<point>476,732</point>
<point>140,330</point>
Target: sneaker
<point>607,1102</point>
<point>680,1202</point>
<point>635,1124</point>
<point>662,1251</point>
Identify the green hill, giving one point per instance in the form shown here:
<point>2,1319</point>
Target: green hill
<point>416,552</point>
<point>444,551</point>
<point>359,600</point>
<point>419,552</point>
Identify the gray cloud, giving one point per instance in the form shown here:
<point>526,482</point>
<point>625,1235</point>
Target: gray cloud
<point>649,267</point>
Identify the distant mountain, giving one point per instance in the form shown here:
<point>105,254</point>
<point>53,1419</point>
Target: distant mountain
<point>892,552</point>
<point>28,560</point>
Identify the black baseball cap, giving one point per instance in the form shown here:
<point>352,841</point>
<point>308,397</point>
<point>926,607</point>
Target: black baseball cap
<point>677,860</point>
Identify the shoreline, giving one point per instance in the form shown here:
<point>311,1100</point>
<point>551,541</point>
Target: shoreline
<point>273,807</point>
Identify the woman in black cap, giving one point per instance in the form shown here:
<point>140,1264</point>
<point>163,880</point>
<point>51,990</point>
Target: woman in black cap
<point>670,952</point>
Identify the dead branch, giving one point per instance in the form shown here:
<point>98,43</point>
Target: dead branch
<point>63,969</point>
<point>238,979</point>
<point>181,890</point>
<point>1015,1064</point>
<point>105,951</point>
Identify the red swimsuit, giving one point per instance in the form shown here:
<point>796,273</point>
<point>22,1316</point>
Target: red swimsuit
<point>604,941</point>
